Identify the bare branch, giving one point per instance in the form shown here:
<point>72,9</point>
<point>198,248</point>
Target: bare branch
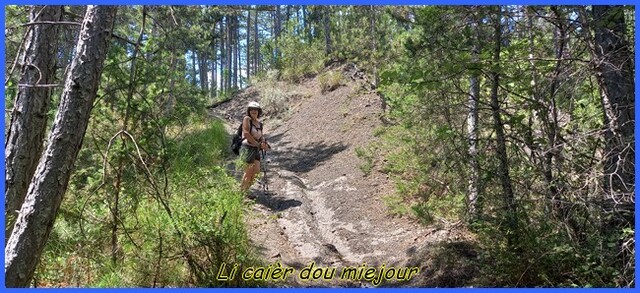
<point>45,22</point>
<point>39,85</point>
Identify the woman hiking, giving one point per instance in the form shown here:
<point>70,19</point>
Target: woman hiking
<point>253,141</point>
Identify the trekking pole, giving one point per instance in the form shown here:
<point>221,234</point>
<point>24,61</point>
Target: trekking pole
<point>265,184</point>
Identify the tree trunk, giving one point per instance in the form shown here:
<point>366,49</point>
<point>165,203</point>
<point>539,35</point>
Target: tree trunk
<point>214,63</point>
<point>36,218</point>
<point>194,73</point>
<point>615,75</point>
<point>277,28</point>
<point>510,228</point>
<point>534,106</point>
<point>256,45</point>
<point>29,115</point>
<point>472,124</point>
<point>229,53</point>
<point>168,105</point>
<point>614,71</point>
<point>306,22</point>
<point>232,52</point>
<point>552,156</point>
<point>236,50</point>
<point>203,70</point>
<point>116,216</point>
<point>326,23</point>
<point>223,55</point>
<point>249,59</point>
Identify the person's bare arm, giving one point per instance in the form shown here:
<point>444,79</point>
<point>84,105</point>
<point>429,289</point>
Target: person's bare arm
<point>264,145</point>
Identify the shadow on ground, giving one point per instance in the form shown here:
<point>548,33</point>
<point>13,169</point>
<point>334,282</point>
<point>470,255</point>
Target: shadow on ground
<point>274,202</point>
<point>303,158</point>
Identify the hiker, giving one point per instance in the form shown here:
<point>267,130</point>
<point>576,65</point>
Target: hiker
<point>253,141</point>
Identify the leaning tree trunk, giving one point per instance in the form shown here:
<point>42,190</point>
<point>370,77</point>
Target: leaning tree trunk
<point>29,115</point>
<point>36,218</point>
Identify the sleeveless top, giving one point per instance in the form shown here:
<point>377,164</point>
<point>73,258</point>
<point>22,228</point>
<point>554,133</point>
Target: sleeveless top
<point>256,132</point>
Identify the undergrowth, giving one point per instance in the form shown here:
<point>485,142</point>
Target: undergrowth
<point>175,225</point>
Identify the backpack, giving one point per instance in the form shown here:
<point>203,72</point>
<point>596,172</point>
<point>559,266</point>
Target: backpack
<point>236,141</point>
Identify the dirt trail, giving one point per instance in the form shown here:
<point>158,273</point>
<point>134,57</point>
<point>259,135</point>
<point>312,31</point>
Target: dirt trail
<point>321,207</point>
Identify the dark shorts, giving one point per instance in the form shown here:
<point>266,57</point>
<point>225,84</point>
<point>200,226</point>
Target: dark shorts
<point>250,153</point>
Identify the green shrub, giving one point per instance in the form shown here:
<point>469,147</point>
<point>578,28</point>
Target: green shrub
<point>300,59</point>
<point>275,100</point>
<point>368,156</point>
<point>330,81</point>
